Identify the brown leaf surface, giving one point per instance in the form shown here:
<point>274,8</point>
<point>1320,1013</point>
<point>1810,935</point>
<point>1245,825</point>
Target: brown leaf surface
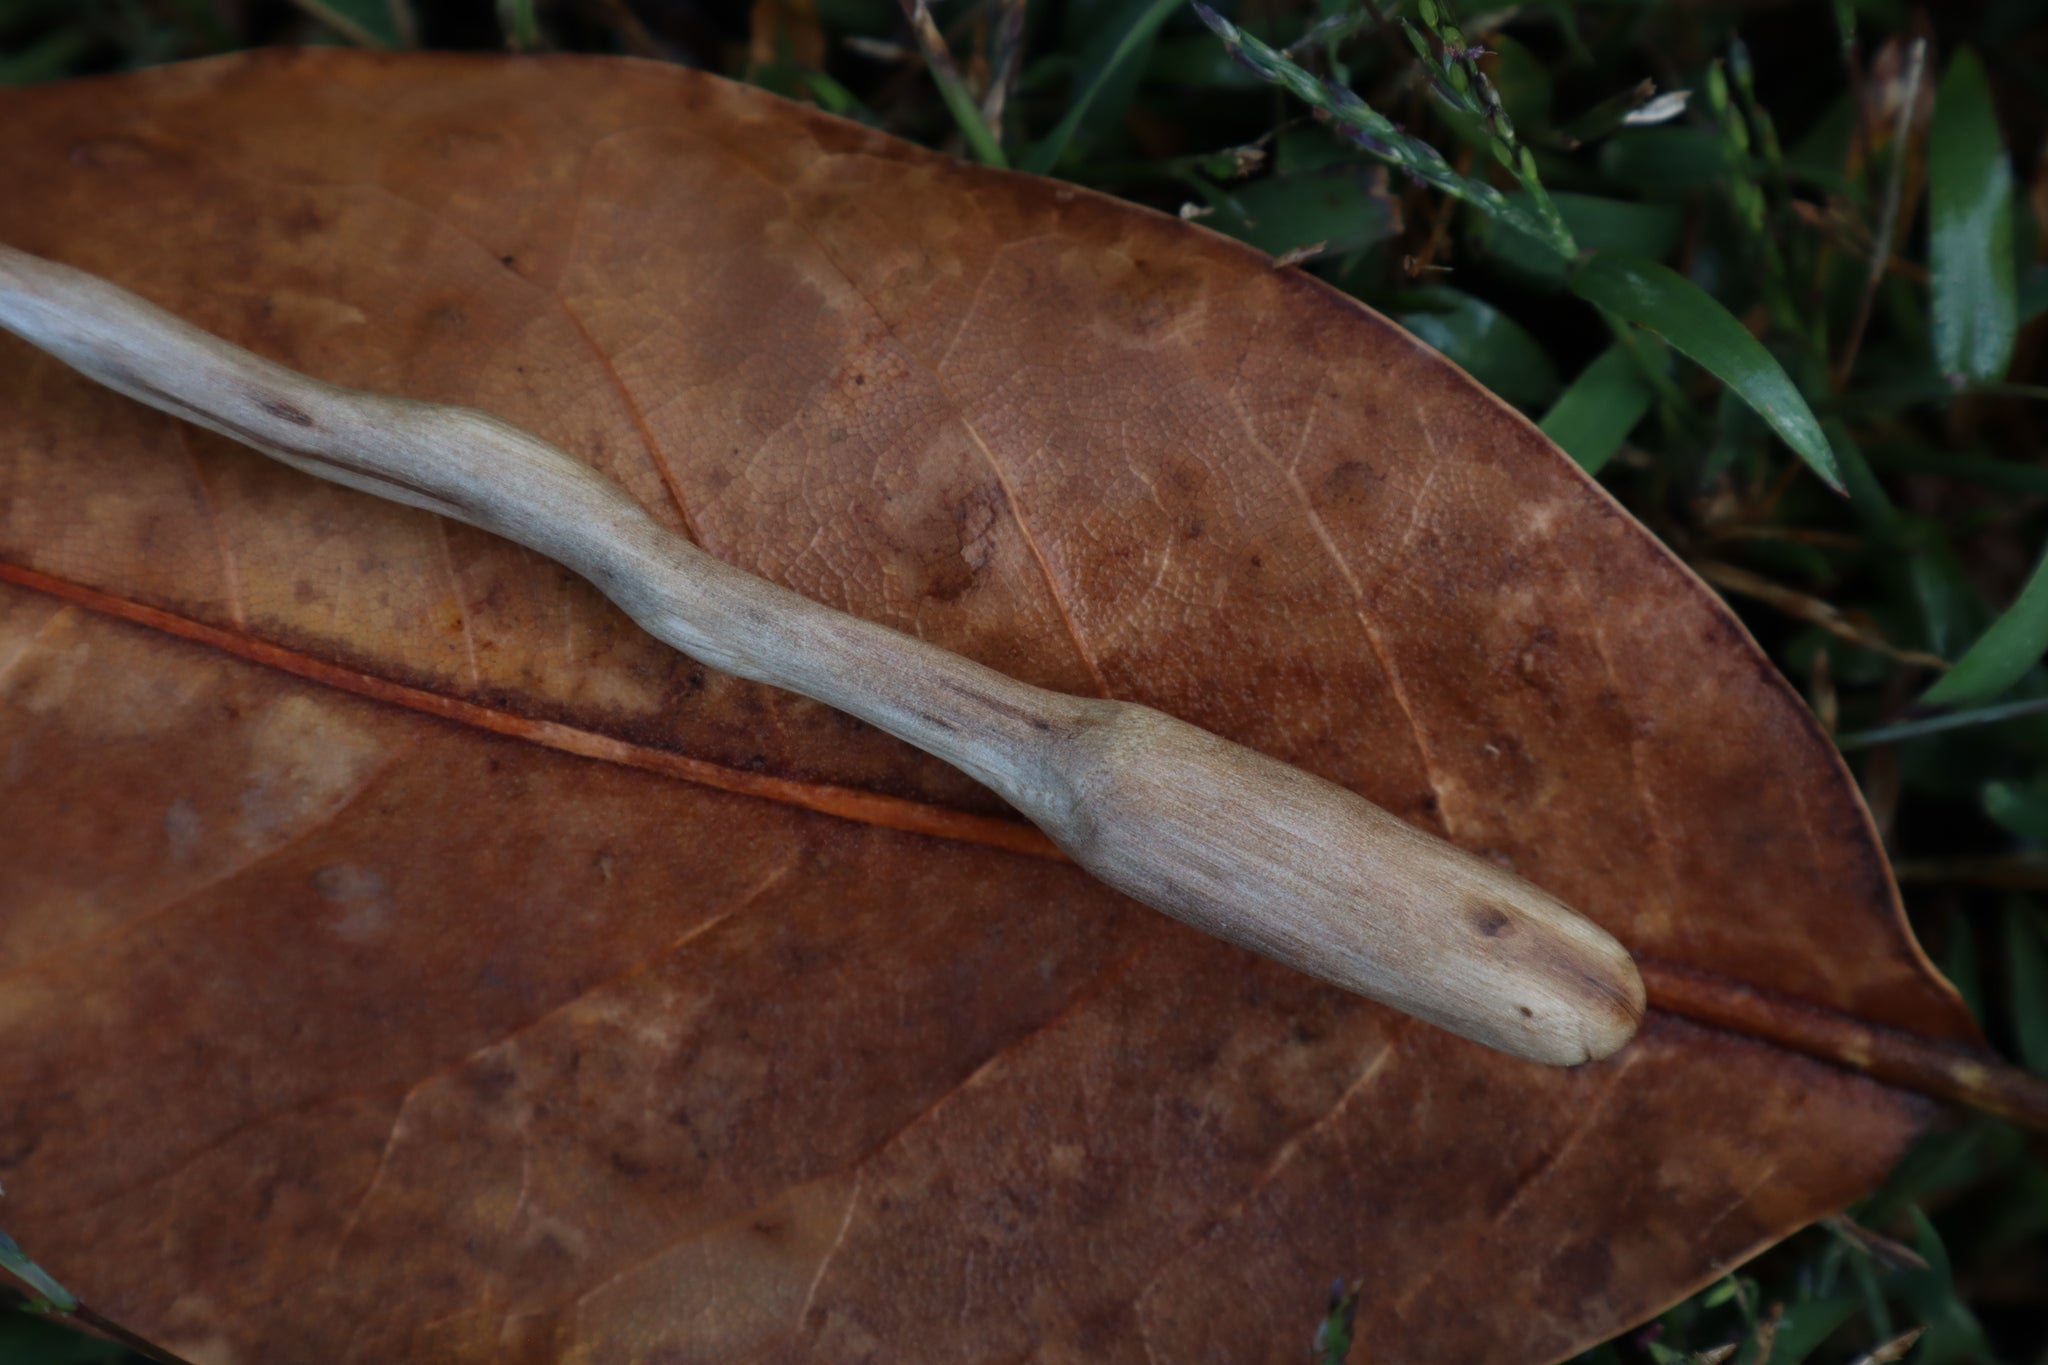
<point>405,959</point>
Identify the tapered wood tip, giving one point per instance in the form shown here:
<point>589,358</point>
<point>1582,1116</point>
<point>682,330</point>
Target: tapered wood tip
<point>1309,873</point>
<point>1613,1000</point>
<point>1515,968</point>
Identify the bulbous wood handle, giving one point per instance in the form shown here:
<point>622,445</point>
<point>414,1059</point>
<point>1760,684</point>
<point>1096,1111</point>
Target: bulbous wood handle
<point>1227,839</point>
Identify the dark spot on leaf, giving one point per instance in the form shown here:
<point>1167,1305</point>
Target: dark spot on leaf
<point>300,222</point>
<point>489,1080</point>
<point>1352,483</point>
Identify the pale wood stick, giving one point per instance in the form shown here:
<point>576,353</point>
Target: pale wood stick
<point>1238,844</point>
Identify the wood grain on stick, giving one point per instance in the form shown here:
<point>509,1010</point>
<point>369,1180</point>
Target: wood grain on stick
<point>1233,842</point>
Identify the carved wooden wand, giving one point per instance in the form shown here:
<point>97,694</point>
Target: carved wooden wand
<point>1238,844</point>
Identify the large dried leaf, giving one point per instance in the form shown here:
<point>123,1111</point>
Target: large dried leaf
<point>407,959</point>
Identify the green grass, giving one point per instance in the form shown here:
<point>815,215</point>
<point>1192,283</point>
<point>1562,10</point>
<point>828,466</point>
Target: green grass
<point>1720,312</point>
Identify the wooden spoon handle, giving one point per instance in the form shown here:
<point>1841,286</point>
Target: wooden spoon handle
<point>1229,840</point>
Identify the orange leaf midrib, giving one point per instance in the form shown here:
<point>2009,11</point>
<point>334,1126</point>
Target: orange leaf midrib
<point>1892,1056</point>
<point>848,803</point>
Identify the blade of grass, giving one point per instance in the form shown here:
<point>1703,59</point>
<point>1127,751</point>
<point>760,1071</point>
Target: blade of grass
<point>1461,83</point>
<point>1379,136</point>
<point>1337,207</point>
<point>19,1264</point>
<point>2003,654</point>
<point>938,59</point>
<point>1953,1332</point>
<point>404,22</point>
<point>1867,498</point>
<point>2019,808</point>
<point>1934,725</point>
<point>1888,216</point>
<point>1326,34</point>
<point>1986,471</point>
<point>1596,224</point>
<point>520,24</point>
<point>1807,1325</point>
<point>1491,346</point>
<point>1659,298</point>
<point>1005,61</point>
<point>2026,957</point>
<point>1042,158</point>
<point>835,98</point>
<point>1595,415</point>
<point>342,24</point>
<point>1333,1334</point>
<point>1970,248</point>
